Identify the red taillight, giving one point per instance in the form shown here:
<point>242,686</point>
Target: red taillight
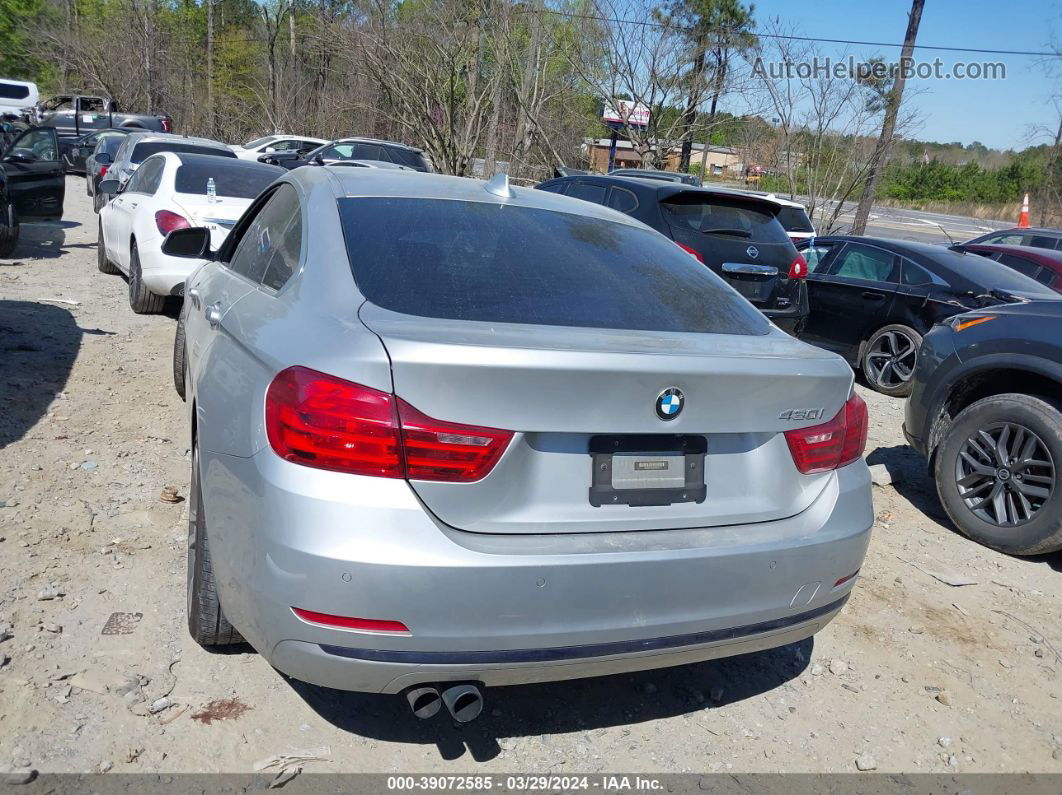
<point>167,124</point>
<point>436,450</point>
<point>325,422</point>
<point>691,252</point>
<point>799,268</point>
<point>843,580</point>
<point>832,444</point>
<point>346,622</point>
<point>797,240</point>
<point>167,221</point>
<point>103,171</point>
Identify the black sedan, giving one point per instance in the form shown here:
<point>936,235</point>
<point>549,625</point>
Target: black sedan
<point>735,234</point>
<point>986,410</point>
<point>872,300</point>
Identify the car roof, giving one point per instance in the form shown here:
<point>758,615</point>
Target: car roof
<point>665,189</point>
<point>152,137</point>
<point>1045,256</point>
<point>197,159</point>
<point>345,182</point>
<point>360,140</point>
<point>1027,230</point>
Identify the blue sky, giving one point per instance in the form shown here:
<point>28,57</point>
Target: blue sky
<point>996,113</point>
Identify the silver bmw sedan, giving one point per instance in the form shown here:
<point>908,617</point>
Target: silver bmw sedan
<point>450,434</point>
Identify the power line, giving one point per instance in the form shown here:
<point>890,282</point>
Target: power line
<point>649,24</point>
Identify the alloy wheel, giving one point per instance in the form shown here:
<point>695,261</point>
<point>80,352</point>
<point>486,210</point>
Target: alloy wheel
<point>890,362</point>
<point>1005,474</point>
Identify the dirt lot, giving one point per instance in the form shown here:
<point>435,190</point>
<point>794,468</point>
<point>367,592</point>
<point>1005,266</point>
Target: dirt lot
<point>915,675</point>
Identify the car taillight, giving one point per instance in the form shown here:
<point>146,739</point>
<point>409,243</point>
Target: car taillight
<point>167,221</point>
<point>832,444</point>
<point>798,269</point>
<point>103,171</point>
<point>691,252</point>
<point>167,124</point>
<point>324,422</point>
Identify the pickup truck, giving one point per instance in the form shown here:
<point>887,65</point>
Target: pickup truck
<point>74,115</point>
<point>32,184</point>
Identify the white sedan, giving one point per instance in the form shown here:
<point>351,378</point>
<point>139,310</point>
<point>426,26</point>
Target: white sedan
<point>252,150</point>
<point>170,191</point>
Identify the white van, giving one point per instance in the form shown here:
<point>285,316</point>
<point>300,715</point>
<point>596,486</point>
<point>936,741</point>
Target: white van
<point>18,97</point>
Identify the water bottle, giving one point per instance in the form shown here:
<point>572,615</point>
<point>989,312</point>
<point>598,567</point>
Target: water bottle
<point>212,191</point>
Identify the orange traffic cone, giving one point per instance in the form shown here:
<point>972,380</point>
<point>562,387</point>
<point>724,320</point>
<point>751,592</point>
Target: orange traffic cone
<point>1023,219</point>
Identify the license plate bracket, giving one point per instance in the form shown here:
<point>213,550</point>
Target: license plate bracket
<point>640,469</point>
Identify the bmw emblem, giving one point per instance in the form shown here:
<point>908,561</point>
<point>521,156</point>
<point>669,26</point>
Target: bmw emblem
<point>752,251</point>
<point>669,404</point>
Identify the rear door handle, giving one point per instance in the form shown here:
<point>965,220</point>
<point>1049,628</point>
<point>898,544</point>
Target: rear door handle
<point>873,296</point>
<point>213,314</point>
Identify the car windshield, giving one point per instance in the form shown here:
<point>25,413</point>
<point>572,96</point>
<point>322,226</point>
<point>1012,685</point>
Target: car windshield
<point>236,178</point>
<point>142,152</point>
<point>714,215</point>
<point>497,263</point>
<point>259,141</point>
<point>794,219</point>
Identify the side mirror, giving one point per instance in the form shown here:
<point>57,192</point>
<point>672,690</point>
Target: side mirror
<point>103,158</point>
<point>270,149</point>
<point>110,186</point>
<point>20,156</point>
<point>191,242</point>
<point>319,159</point>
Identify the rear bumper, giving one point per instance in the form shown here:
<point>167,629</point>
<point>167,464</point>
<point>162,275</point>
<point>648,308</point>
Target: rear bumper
<point>162,274</point>
<point>509,609</point>
<point>792,319</point>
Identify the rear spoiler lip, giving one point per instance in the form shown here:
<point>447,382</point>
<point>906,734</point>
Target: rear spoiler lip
<point>754,201</point>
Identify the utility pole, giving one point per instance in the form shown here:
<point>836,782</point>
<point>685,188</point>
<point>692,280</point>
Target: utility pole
<point>888,127</point>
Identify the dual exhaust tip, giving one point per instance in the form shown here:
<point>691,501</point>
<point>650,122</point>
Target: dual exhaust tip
<point>464,702</point>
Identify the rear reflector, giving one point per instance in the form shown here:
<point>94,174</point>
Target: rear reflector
<point>346,622</point>
<point>691,252</point>
<point>103,171</point>
<point>843,580</point>
<point>832,444</point>
<point>324,422</point>
<point>798,269</point>
<point>167,222</point>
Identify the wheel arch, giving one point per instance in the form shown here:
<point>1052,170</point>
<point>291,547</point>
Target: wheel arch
<point>1000,375</point>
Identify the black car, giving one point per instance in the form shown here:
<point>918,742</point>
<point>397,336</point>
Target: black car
<point>736,235</point>
<point>32,183</point>
<point>1021,236</point>
<point>108,144</point>
<point>346,149</point>
<point>986,411</point>
<point>76,152</point>
<point>872,300</point>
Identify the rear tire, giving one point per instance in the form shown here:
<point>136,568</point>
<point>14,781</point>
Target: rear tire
<point>889,358</point>
<point>102,261</point>
<point>206,620</point>
<point>969,467</point>
<point>141,299</point>
<point>8,230</point>
<point>178,359</point>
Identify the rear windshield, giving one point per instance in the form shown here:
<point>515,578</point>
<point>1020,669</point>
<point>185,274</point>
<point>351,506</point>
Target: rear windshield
<point>719,216</point>
<point>990,274</point>
<point>110,143</point>
<point>407,157</point>
<point>496,263</point>
<point>236,178</point>
<point>142,152</point>
<point>794,219</point>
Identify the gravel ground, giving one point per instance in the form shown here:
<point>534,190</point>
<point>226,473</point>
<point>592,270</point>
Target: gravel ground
<point>915,675</point>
